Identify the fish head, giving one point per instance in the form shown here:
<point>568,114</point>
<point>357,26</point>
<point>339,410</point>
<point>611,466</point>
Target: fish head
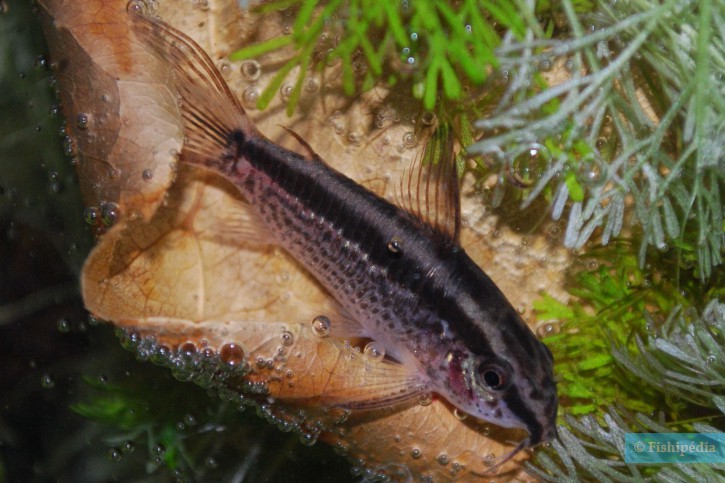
<point>510,384</point>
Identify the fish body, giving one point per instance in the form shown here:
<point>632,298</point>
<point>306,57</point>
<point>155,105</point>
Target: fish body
<point>406,281</point>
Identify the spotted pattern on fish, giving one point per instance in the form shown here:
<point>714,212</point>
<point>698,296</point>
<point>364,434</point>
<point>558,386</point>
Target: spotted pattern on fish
<point>400,275</point>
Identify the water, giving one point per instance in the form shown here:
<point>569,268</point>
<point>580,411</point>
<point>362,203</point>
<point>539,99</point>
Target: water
<point>75,405</point>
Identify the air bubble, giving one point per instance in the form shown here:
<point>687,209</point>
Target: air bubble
<point>460,415</point>
<point>554,232</point>
<point>41,62</point>
<point>250,96</point>
<point>308,439</point>
<point>416,453</point>
<point>159,450</point>
<point>225,69</point>
<point>331,58</point>
<point>489,460</point>
<point>286,91</point>
<point>47,382</point>
<point>545,64</point>
<point>63,325</point>
<point>109,214</point>
<point>115,454</point>
<point>137,7</point>
<point>428,118</point>
<point>69,147</point>
<point>251,69</point>
<point>91,215</point>
<point>188,348</point>
<point>425,399</point>
<point>410,139</point>
<point>547,328</point>
<point>442,459</point>
<point>395,245</point>
<point>374,350</point>
<point>147,175</point>
<point>335,120</point>
<point>312,86</point>
<point>321,326</point>
<point>526,165</point>
<point>82,121</point>
<point>128,447</point>
<point>592,171</point>
<point>211,463</point>
<point>287,338</point>
<point>232,354</point>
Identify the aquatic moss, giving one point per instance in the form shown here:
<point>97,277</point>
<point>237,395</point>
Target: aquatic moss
<point>682,361</point>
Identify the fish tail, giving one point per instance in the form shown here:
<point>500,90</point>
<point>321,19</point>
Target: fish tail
<point>215,124</point>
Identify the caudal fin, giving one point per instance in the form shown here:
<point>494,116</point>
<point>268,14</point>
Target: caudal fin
<point>212,115</point>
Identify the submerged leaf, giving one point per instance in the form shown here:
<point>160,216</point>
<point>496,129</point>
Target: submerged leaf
<point>193,292</point>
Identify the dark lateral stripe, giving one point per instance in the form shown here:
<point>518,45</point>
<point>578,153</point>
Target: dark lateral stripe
<point>370,221</point>
<point>337,198</point>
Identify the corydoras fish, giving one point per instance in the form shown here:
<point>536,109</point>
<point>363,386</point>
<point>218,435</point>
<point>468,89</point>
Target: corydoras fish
<point>400,278</point>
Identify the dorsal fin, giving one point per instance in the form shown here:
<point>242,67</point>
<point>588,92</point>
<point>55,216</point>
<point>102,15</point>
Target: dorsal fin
<point>212,114</point>
<point>310,152</point>
<point>430,191</point>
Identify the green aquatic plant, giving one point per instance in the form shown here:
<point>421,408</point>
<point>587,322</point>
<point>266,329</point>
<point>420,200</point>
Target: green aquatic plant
<point>614,303</point>
<point>633,136</point>
<point>146,421</point>
<point>439,47</point>
<point>633,353</point>
<point>683,363</point>
<point>637,126</point>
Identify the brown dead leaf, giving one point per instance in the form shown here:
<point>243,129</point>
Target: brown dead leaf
<point>186,288</point>
<point>120,113</point>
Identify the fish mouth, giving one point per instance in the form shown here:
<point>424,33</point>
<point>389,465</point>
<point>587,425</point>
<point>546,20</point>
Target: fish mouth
<point>541,434</point>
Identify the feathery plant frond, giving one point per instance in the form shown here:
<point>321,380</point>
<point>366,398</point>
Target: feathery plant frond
<point>688,361</point>
<point>613,299</point>
<point>684,361</point>
<point>640,121</point>
<point>439,46</point>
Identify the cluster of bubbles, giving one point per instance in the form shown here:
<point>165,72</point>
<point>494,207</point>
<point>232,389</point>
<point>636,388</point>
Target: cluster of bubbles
<point>225,370</point>
<point>206,366</point>
<point>104,215</point>
<point>116,454</point>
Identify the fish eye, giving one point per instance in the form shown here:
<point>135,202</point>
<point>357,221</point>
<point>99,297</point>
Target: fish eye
<point>492,376</point>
